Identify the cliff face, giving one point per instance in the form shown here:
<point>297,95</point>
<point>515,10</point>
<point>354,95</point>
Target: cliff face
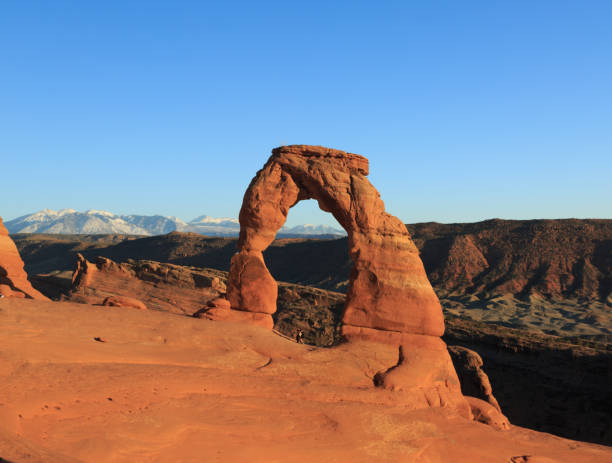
<point>555,385</point>
<point>556,259</point>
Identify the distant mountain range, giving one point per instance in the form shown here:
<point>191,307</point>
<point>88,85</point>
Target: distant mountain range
<point>93,222</point>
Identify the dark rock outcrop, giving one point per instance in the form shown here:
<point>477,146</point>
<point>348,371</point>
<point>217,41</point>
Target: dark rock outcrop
<point>566,258</point>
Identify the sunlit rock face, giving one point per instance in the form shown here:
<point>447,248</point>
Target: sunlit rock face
<point>388,291</point>
<point>389,299</point>
<point>13,278</point>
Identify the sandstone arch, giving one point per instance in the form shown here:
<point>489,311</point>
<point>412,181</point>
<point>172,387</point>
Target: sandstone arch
<point>389,293</point>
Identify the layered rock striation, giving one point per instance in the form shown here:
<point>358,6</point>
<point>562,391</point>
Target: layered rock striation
<point>557,259</point>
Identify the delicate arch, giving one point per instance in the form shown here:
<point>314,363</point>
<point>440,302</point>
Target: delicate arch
<point>388,288</point>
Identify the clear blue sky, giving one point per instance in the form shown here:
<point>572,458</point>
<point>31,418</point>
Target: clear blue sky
<point>467,110</point>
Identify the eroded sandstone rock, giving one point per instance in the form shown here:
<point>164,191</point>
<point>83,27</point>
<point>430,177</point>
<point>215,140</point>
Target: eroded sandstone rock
<point>389,297</point>
<point>388,288</point>
<point>124,301</point>
<point>474,381</point>
<point>13,278</point>
<point>425,370</point>
<point>219,309</point>
<point>486,413</point>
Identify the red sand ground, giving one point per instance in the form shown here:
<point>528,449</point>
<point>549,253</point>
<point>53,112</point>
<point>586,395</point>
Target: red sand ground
<point>164,387</point>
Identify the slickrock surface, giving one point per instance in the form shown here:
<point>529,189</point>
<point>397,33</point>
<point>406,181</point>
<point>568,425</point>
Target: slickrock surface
<point>174,388</point>
<point>13,278</point>
<point>388,287</point>
<point>151,282</point>
<point>542,382</point>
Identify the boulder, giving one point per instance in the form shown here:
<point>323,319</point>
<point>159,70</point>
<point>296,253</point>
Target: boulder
<point>124,301</point>
<point>486,413</point>
<point>474,381</point>
<point>228,315</point>
<point>219,309</point>
<point>13,278</point>
<point>219,303</point>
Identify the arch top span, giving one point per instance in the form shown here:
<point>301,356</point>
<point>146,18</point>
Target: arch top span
<point>389,293</point>
<point>342,160</point>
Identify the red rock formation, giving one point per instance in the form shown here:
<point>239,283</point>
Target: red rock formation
<point>158,286</point>
<point>486,413</point>
<point>219,309</point>
<point>7,291</point>
<point>474,381</point>
<point>425,370</point>
<point>124,301</point>
<point>83,272</point>
<point>389,297</point>
<point>13,278</point>
<point>167,287</point>
<point>388,289</point>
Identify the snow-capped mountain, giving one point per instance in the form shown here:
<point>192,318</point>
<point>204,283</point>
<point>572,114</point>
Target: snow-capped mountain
<point>310,229</point>
<point>214,226</point>
<point>69,221</point>
<point>156,224</point>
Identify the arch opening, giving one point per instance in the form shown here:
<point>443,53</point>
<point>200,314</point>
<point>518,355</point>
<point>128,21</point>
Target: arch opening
<point>319,265</point>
